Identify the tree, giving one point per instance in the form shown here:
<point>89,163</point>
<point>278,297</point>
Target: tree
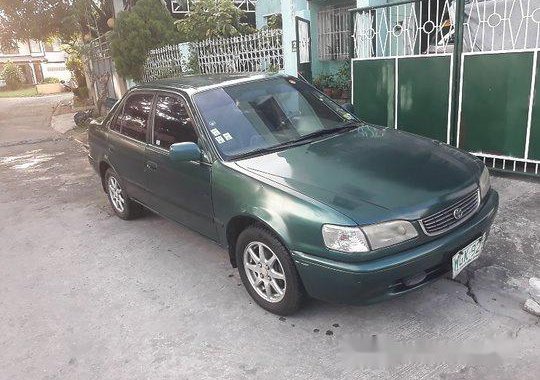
<point>44,19</point>
<point>213,19</point>
<point>147,26</point>
<point>12,75</point>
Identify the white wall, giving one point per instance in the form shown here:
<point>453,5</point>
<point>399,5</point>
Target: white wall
<point>56,70</point>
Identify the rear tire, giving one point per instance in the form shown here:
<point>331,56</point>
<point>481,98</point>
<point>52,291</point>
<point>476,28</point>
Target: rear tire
<point>122,205</point>
<point>268,271</point>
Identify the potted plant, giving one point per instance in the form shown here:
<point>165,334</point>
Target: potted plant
<point>335,84</point>
<point>345,89</point>
<point>323,83</point>
<point>345,81</point>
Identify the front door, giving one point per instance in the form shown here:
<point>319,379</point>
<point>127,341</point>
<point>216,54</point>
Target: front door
<point>180,191</point>
<point>303,50</point>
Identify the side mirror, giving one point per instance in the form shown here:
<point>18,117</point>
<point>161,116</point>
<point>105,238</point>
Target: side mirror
<point>186,151</point>
<point>348,107</point>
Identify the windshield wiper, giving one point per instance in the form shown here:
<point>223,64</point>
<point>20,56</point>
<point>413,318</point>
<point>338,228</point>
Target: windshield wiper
<point>302,140</point>
<point>342,128</point>
<point>261,151</point>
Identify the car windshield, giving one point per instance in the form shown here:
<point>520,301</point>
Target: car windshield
<point>256,117</point>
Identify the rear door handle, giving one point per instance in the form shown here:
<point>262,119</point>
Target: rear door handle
<point>151,165</point>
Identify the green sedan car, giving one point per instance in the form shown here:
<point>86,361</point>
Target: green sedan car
<point>307,199</point>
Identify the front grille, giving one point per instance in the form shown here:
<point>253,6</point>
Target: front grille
<point>451,216</point>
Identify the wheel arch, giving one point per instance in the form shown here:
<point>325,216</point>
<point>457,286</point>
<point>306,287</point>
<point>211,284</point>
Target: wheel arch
<point>103,166</point>
<point>239,223</point>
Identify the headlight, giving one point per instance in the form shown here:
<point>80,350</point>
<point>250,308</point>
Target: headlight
<point>389,233</point>
<point>355,239</point>
<point>344,239</point>
<point>484,183</point>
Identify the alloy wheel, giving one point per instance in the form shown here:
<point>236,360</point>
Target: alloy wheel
<point>115,193</point>
<point>264,272</point>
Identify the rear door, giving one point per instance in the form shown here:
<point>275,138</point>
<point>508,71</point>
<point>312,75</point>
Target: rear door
<point>179,190</point>
<point>127,143</point>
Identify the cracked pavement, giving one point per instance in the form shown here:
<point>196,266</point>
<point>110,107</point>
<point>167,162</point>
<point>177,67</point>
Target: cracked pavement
<point>86,295</point>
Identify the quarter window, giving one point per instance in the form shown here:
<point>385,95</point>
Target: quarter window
<point>134,120</point>
<point>172,122</point>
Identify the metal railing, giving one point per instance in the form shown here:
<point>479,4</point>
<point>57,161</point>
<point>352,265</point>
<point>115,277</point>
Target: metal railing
<point>164,62</point>
<point>403,29</point>
<point>501,25</point>
<point>257,52</point>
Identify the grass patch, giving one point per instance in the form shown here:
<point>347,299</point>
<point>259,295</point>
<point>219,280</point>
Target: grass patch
<point>20,93</point>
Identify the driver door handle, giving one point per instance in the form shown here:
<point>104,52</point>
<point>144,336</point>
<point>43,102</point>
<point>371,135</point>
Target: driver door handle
<point>151,165</point>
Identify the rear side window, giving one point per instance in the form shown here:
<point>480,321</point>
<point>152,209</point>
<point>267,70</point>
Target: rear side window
<point>172,122</point>
<point>133,122</point>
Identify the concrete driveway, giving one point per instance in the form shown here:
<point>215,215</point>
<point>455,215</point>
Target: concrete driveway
<point>85,295</point>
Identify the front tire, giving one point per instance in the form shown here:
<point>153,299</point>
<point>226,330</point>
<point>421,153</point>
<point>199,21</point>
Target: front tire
<point>122,205</point>
<point>268,271</point>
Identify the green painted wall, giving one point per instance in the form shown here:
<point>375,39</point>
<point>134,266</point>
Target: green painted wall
<point>495,103</point>
<point>423,89</point>
<point>373,91</point>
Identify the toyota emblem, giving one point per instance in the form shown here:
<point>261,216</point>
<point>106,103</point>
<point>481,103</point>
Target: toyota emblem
<point>458,213</point>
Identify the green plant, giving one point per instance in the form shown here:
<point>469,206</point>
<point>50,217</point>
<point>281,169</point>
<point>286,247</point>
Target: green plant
<point>50,80</point>
<point>193,61</point>
<point>74,63</point>
<point>12,75</point>
<point>212,19</point>
<point>274,21</point>
<point>322,81</point>
<point>147,26</point>
<point>344,77</point>
<point>81,92</point>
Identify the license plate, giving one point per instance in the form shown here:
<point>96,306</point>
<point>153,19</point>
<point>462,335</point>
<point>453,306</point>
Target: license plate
<point>467,255</point>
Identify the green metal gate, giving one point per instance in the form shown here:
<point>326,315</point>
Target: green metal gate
<point>460,73</point>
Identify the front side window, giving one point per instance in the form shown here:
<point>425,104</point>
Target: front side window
<point>172,122</point>
<point>256,116</point>
<point>133,122</point>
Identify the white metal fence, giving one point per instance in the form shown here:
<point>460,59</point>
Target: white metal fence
<point>501,25</point>
<point>164,62</point>
<point>258,52</point>
<point>404,29</point>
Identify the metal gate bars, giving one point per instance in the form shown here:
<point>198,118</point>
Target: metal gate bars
<point>463,73</point>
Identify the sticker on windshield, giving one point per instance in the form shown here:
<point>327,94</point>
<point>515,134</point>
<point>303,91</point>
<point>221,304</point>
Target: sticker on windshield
<point>220,139</point>
<point>215,132</point>
<point>227,136</point>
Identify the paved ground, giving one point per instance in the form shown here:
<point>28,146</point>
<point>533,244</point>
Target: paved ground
<point>86,295</point>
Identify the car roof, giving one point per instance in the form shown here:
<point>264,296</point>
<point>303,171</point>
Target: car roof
<point>196,83</point>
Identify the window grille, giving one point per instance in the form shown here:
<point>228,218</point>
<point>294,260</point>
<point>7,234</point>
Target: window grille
<point>333,37</point>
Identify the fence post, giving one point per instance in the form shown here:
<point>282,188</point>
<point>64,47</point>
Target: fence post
<point>456,73</point>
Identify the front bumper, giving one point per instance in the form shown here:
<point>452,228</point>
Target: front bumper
<point>377,280</point>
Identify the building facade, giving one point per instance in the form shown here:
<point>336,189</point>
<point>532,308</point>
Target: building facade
<point>38,60</point>
<point>315,32</point>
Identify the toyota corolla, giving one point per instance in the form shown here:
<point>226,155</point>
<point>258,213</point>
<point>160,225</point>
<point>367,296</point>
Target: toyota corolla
<point>307,199</point>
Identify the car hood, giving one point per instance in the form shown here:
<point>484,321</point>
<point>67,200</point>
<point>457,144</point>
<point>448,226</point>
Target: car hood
<point>372,174</point>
